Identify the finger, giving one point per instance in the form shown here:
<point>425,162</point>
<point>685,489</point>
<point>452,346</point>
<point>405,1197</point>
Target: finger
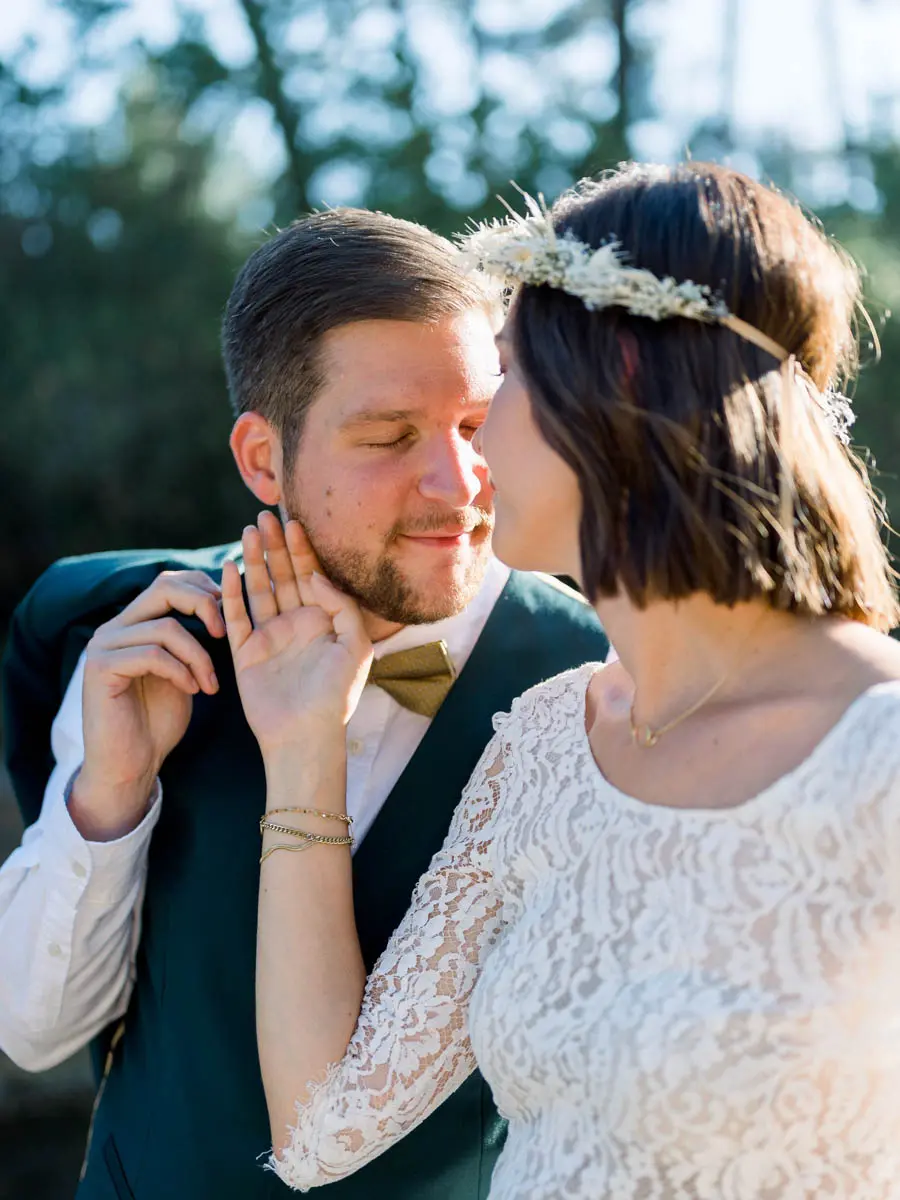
<point>237,622</point>
<point>165,632</point>
<point>199,579</point>
<point>135,662</point>
<point>303,559</point>
<point>278,560</point>
<point>345,616</point>
<point>263,605</point>
<point>172,592</point>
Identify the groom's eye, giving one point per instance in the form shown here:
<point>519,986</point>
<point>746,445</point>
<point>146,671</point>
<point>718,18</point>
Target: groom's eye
<point>399,441</point>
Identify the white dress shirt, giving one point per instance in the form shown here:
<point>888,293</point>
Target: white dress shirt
<point>70,909</point>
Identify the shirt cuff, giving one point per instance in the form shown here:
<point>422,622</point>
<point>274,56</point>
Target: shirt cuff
<point>105,870</point>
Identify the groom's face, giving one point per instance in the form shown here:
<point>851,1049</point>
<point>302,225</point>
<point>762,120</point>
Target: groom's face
<point>392,493</point>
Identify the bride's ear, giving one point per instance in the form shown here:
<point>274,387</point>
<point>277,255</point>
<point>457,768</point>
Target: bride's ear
<point>256,447</point>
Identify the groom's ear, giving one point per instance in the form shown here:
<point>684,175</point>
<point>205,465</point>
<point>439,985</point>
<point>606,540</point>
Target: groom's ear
<point>256,447</point>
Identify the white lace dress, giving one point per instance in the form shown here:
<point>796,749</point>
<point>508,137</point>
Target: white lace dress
<point>669,1004</point>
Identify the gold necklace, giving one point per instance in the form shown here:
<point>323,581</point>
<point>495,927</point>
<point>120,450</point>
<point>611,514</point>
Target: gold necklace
<point>645,737</point>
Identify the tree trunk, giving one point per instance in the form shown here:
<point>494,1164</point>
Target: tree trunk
<point>621,122</point>
<point>729,71</point>
<point>271,86</point>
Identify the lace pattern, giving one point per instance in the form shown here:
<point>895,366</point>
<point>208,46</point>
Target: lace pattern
<point>410,1049</point>
<point>668,1004</point>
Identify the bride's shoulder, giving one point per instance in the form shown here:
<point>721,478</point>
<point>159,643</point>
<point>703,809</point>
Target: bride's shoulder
<point>861,675</point>
<point>553,702</point>
<point>861,760</point>
<point>857,760</point>
<point>875,731</point>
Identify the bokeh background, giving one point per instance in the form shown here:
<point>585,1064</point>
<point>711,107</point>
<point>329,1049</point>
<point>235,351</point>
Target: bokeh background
<point>147,147</point>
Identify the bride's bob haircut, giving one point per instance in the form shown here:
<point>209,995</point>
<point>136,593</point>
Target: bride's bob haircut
<point>705,464</point>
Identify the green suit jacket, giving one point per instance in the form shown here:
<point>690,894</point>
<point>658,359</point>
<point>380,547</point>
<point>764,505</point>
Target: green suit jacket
<point>183,1114</point>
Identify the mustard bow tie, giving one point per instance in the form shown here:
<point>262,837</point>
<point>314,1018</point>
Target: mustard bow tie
<point>418,678</point>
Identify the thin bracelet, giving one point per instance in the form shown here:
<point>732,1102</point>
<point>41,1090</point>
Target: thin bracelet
<point>283,846</point>
<point>326,839</point>
<point>307,843</point>
<point>313,812</point>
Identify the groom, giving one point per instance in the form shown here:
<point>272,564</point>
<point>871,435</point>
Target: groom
<point>360,362</point>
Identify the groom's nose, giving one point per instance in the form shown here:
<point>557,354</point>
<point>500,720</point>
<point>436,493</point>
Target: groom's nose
<point>454,472</point>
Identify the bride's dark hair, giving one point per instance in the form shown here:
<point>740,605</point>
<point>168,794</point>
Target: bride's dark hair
<point>706,465</point>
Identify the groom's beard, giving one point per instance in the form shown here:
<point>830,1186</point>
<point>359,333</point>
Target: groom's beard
<point>380,585</point>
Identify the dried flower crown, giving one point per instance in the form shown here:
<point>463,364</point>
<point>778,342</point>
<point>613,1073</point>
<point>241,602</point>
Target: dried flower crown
<point>527,249</point>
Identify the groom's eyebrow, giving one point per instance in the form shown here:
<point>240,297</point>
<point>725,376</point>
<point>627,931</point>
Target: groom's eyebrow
<point>382,416</point>
<point>373,416</point>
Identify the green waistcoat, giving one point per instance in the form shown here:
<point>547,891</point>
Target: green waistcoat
<point>183,1115</point>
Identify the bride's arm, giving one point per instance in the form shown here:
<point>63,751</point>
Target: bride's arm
<point>404,1046</point>
<point>309,970</point>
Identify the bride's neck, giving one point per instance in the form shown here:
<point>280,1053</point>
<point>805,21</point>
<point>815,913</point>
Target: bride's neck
<point>673,651</point>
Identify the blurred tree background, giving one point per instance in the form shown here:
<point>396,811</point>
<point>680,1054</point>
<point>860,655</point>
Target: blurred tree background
<point>119,237</point>
<point>119,243</point>
<point>173,135</point>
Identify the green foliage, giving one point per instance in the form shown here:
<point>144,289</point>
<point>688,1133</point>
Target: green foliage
<point>874,241</point>
<point>115,273</point>
<point>115,270</point>
<point>425,153</point>
<point>115,417</point>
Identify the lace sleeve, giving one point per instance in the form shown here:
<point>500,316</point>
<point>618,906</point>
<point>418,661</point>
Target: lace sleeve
<point>410,1048</point>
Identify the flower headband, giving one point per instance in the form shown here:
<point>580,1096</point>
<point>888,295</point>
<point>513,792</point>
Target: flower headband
<point>528,250</point>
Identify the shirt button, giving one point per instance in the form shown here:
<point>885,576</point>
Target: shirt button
<point>79,870</point>
<point>355,747</point>
<point>54,950</point>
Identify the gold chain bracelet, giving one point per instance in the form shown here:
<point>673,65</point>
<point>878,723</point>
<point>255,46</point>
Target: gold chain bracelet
<point>313,812</point>
<point>308,840</point>
<point>326,839</point>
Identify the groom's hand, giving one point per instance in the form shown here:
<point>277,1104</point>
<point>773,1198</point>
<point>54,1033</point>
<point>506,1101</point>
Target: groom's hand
<point>141,673</point>
<point>301,654</point>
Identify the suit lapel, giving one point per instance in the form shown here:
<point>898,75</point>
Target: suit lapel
<point>414,819</point>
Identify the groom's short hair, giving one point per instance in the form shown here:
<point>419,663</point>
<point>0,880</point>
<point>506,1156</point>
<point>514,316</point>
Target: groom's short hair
<point>326,270</point>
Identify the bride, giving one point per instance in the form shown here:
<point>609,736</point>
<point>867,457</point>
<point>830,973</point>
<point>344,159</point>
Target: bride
<point>666,920</point>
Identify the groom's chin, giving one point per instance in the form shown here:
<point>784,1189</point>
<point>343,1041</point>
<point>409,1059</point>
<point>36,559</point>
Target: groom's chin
<point>421,598</point>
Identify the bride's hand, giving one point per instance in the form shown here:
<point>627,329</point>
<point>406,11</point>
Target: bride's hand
<point>302,655</point>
